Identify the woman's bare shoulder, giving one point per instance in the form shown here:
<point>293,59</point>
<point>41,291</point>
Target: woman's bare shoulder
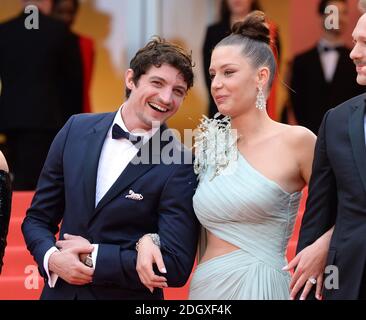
<point>298,135</point>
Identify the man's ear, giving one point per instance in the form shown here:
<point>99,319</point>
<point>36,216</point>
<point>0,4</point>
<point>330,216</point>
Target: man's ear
<point>129,79</point>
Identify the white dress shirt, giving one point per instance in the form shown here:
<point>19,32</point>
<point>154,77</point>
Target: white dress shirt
<point>113,160</point>
<point>115,156</point>
<point>329,59</point>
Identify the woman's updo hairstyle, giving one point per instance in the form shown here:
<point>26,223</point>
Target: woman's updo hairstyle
<point>253,36</point>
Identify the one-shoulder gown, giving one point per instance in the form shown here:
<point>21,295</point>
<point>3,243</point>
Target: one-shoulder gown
<point>252,212</point>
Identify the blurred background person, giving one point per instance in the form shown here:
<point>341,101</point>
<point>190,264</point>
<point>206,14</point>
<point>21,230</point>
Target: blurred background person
<point>324,76</point>
<point>66,11</point>
<point>231,12</point>
<point>5,205</point>
<point>41,75</point>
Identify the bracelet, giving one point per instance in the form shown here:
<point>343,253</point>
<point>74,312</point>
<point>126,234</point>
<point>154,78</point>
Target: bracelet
<point>153,236</point>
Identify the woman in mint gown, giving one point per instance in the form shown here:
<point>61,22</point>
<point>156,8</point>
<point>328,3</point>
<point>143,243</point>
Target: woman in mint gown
<point>251,172</point>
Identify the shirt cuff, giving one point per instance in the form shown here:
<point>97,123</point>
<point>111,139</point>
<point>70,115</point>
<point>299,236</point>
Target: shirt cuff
<point>52,277</point>
<point>94,254</point>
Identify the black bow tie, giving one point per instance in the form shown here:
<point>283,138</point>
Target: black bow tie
<point>328,49</point>
<point>119,133</point>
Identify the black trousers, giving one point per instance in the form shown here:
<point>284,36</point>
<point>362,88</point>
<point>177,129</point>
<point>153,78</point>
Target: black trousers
<point>26,152</point>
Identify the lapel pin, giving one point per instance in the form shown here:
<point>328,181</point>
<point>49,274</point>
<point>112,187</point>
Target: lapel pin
<point>134,196</point>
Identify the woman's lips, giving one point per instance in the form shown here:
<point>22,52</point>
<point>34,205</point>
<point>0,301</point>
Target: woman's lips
<point>220,99</point>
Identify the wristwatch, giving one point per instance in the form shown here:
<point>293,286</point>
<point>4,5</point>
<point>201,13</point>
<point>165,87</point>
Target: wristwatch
<point>89,261</point>
<point>153,236</point>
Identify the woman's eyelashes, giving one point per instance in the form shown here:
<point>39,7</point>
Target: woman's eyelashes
<point>226,73</point>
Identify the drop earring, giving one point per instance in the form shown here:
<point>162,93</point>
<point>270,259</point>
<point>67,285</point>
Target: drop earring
<point>260,102</point>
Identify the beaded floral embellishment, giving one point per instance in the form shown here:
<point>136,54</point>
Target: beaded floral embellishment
<point>215,145</point>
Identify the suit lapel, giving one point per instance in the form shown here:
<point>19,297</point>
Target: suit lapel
<point>94,143</point>
<point>357,136</point>
<point>134,170</point>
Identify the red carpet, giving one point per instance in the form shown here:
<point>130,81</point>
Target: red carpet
<point>20,280</point>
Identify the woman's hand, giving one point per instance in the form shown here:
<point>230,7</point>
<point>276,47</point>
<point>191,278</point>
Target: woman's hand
<point>149,253</point>
<point>310,264</point>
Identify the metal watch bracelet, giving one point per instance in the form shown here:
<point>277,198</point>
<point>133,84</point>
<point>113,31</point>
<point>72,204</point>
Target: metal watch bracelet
<point>153,236</point>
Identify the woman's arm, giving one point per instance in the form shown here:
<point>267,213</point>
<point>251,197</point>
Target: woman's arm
<point>309,262</point>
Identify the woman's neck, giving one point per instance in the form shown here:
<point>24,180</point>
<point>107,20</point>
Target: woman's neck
<point>251,124</point>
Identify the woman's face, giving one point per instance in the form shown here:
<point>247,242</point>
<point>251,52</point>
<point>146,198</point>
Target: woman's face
<point>239,7</point>
<point>234,81</point>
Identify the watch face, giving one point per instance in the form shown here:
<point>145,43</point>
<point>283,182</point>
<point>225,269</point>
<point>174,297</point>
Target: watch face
<point>89,262</point>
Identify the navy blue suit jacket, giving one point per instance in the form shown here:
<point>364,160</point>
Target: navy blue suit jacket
<point>337,196</point>
<point>66,192</point>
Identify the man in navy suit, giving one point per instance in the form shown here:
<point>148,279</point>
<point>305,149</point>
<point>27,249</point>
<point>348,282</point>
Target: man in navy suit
<point>109,180</point>
<point>336,205</point>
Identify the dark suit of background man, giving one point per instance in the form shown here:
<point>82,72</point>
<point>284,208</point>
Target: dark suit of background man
<point>323,76</point>
<point>92,183</point>
<point>337,189</point>
<point>41,75</point>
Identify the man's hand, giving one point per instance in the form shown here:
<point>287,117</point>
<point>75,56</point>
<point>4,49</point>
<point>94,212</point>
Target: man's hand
<point>148,254</point>
<point>72,241</point>
<point>66,265</point>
